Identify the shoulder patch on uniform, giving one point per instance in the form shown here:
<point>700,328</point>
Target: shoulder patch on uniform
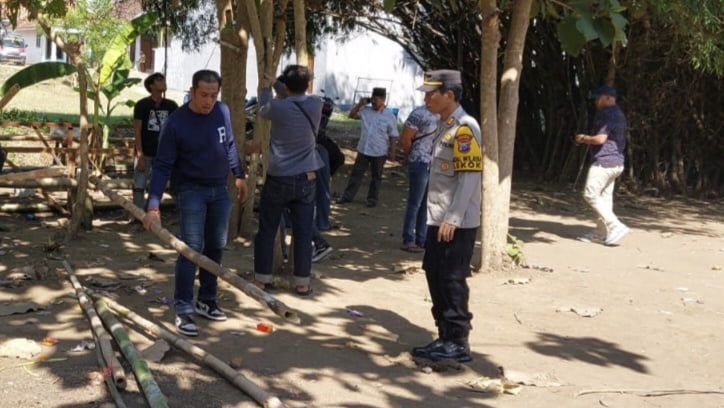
<point>467,155</point>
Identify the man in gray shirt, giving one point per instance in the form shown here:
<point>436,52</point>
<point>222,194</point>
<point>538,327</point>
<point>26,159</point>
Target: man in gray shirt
<point>291,177</point>
<point>453,216</point>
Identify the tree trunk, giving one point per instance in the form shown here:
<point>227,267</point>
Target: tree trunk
<point>81,215</point>
<point>300,33</point>
<point>234,47</point>
<point>490,257</point>
<point>507,119</point>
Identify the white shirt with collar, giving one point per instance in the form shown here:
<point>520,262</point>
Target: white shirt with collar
<point>378,127</point>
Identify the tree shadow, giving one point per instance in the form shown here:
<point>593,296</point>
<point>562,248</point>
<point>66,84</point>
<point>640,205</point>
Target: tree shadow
<point>588,349</point>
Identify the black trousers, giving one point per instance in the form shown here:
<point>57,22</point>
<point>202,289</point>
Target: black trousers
<point>361,163</point>
<point>447,266</point>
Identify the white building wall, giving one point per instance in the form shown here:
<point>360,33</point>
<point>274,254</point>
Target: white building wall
<point>35,51</point>
<point>346,69</point>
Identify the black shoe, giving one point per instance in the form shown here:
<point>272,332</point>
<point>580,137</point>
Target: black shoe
<point>209,310</point>
<point>451,351</point>
<point>343,200</point>
<point>424,351</point>
<point>186,325</point>
<point>371,204</point>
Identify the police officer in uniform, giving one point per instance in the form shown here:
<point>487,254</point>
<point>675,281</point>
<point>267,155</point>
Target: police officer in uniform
<point>453,214</point>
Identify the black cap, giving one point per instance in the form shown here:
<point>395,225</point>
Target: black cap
<point>440,78</point>
<point>381,92</point>
<point>604,90</point>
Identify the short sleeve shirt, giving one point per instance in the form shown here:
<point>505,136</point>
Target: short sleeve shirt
<point>152,115</point>
<point>377,129</point>
<point>611,122</point>
<point>425,123</point>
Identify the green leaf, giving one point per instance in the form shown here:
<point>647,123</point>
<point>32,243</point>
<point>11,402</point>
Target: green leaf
<point>586,25</point>
<point>535,8</point>
<point>572,41</point>
<point>619,24</point>
<point>114,56</point>
<point>389,5</point>
<point>35,73</point>
<point>605,31</point>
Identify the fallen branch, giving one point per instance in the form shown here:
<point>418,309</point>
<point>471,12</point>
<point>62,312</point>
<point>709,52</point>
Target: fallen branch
<point>648,393</point>
<point>99,332</point>
<point>202,261</point>
<point>150,388</point>
<point>259,395</point>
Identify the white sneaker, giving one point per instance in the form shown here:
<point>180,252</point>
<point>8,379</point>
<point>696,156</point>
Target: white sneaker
<point>591,237</point>
<point>616,233</point>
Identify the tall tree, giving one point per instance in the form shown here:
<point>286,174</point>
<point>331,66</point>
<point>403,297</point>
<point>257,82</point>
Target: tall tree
<point>300,33</point>
<point>234,41</point>
<point>43,12</point>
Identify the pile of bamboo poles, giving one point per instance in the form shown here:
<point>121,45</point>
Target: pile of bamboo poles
<point>101,316</point>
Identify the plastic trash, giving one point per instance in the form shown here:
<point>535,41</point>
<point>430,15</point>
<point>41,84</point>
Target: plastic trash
<point>265,327</point>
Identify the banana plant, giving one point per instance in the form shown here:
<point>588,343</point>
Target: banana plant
<point>32,74</point>
<point>113,75</point>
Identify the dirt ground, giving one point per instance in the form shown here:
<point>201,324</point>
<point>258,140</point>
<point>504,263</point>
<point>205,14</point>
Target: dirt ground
<point>656,342</point>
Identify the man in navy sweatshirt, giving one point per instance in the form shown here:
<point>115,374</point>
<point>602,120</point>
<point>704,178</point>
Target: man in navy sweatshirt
<point>291,177</point>
<point>197,146</point>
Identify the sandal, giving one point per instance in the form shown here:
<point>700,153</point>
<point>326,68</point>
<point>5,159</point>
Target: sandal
<point>303,293</point>
<point>264,286</point>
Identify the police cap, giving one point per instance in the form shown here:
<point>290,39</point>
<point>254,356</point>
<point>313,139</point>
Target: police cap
<point>441,78</point>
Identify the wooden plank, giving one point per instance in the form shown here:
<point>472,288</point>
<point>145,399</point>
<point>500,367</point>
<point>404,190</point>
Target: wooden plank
<point>33,174</point>
<point>56,150</point>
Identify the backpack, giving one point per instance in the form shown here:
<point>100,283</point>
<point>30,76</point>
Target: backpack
<point>336,157</point>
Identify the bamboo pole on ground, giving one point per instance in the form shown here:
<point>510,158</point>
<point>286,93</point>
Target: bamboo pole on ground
<point>239,380</point>
<point>104,340</point>
<point>224,273</point>
<point>33,174</point>
<point>112,389</point>
<point>154,395</point>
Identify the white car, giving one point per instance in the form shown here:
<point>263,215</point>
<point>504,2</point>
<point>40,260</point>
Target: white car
<point>12,48</point>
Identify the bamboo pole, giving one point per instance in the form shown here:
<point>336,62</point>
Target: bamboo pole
<point>125,151</point>
<point>150,388</point>
<point>239,380</point>
<point>33,174</point>
<point>112,389</point>
<point>104,340</point>
<point>49,183</point>
<point>224,273</point>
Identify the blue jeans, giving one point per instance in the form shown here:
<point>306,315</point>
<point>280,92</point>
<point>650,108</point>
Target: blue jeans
<point>414,229</point>
<point>323,196</point>
<point>203,225</point>
<point>297,193</point>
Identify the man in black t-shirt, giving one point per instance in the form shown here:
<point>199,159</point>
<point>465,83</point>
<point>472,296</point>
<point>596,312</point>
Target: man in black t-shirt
<point>149,114</point>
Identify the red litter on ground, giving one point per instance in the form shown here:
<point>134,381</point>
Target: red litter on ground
<point>265,327</point>
<point>49,341</point>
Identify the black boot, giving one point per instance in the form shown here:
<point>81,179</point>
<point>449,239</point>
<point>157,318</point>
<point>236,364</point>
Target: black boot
<point>457,350</point>
<point>424,351</point>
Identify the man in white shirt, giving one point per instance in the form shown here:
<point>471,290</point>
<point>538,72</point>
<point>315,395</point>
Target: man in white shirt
<point>377,143</point>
